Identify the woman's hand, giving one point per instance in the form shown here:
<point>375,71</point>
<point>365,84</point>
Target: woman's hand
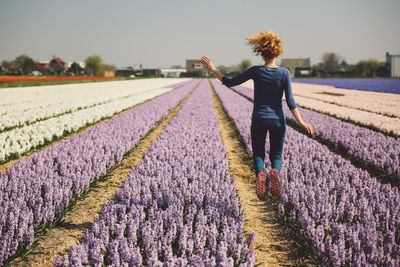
<point>210,66</point>
<point>208,63</point>
<point>308,127</point>
<point>300,121</point>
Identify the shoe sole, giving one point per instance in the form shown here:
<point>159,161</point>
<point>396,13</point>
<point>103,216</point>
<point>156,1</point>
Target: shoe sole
<point>276,186</point>
<point>260,186</point>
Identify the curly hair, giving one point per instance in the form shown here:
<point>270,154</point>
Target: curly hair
<point>268,44</point>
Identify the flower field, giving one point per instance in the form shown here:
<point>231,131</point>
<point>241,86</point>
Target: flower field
<point>350,217</point>
<point>180,200</point>
<point>371,147</point>
<point>376,85</point>
<point>373,102</point>
<point>179,206</point>
<point>45,114</point>
<point>370,109</point>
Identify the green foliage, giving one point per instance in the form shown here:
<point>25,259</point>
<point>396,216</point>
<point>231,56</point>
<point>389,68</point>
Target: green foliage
<point>76,69</point>
<point>9,67</point>
<point>94,65</point>
<point>25,64</point>
<point>245,64</point>
<point>223,69</point>
<point>367,68</point>
<point>331,62</point>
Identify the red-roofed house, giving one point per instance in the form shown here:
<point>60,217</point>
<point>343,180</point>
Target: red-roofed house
<point>57,66</point>
<point>42,66</point>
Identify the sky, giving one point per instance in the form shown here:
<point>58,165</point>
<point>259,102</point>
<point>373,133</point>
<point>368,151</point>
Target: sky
<point>161,33</point>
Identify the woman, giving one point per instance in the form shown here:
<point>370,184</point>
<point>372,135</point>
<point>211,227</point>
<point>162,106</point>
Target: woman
<point>270,81</point>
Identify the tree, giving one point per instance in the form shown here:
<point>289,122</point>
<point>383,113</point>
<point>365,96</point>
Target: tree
<point>245,64</point>
<point>372,66</point>
<point>94,65</point>
<point>361,68</point>
<point>76,69</point>
<point>344,66</point>
<point>367,68</point>
<point>331,62</point>
<point>5,65</point>
<point>10,67</point>
<point>25,64</point>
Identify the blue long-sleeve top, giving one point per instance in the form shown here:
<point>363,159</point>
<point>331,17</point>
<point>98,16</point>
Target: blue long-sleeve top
<point>269,85</point>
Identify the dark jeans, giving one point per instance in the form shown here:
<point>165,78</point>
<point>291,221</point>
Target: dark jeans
<point>277,130</point>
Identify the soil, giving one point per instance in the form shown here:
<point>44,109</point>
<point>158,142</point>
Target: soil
<point>274,243</point>
<point>81,217</point>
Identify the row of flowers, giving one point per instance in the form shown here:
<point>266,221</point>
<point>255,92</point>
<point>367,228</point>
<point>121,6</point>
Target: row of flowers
<point>382,152</point>
<point>376,85</point>
<point>37,190</point>
<point>380,103</point>
<point>349,216</point>
<point>178,207</point>
<point>383,123</point>
<point>18,141</point>
<point>22,106</point>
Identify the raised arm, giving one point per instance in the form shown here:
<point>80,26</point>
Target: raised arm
<point>210,66</point>
<point>238,79</point>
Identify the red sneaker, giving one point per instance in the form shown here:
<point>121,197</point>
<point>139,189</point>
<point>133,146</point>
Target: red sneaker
<point>260,185</point>
<point>276,186</point>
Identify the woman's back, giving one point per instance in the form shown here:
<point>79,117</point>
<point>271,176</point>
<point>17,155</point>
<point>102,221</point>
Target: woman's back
<point>269,85</point>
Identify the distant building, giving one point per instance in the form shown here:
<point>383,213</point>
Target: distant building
<point>151,72</point>
<point>132,72</point>
<point>125,72</point>
<point>298,66</point>
<point>57,66</point>
<point>392,65</point>
<point>195,66</point>
<point>109,73</point>
<point>173,72</point>
<point>42,66</point>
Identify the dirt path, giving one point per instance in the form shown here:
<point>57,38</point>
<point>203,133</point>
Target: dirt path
<point>80,218</point>
<point>274,243</point>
